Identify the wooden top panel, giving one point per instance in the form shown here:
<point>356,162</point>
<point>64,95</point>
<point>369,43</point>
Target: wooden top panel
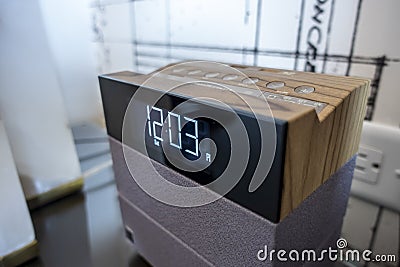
<point>285,103</point>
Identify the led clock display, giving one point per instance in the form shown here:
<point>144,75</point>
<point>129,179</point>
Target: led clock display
<point>183,133</point>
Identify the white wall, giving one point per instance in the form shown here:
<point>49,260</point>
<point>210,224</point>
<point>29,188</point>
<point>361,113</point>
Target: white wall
<point>68,28</point>
<point>379,34</point>
<point>31,102</point>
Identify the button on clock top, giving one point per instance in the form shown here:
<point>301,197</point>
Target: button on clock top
<point>304,89</point>
<point>275,85</point>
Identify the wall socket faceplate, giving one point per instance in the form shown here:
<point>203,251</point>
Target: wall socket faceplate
<point>377,172</point>
<point>368,164</point>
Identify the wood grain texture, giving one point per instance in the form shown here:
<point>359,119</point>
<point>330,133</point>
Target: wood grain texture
<point>316,148</point>
<point>317,144</point>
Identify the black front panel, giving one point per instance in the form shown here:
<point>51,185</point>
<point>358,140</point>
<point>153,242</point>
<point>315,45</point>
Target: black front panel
<point>183,135</point>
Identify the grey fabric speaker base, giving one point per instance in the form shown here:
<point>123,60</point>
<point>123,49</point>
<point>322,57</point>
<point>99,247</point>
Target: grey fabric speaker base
<point>223,233</point>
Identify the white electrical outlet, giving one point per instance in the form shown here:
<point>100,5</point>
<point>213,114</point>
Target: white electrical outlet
<point>377,172</point>
<point>368,164</point>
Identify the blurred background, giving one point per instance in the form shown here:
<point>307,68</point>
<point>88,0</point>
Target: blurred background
<point>51,53</point>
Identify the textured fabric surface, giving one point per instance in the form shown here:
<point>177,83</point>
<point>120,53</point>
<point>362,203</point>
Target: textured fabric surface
<point>223,233</point>
<point>157,244</point>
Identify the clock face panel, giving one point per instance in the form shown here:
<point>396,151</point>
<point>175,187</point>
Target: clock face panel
<point>171,132</point>
<point>173,135</point>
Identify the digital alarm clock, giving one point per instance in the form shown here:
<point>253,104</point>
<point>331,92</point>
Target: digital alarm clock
<point>310,130</point>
